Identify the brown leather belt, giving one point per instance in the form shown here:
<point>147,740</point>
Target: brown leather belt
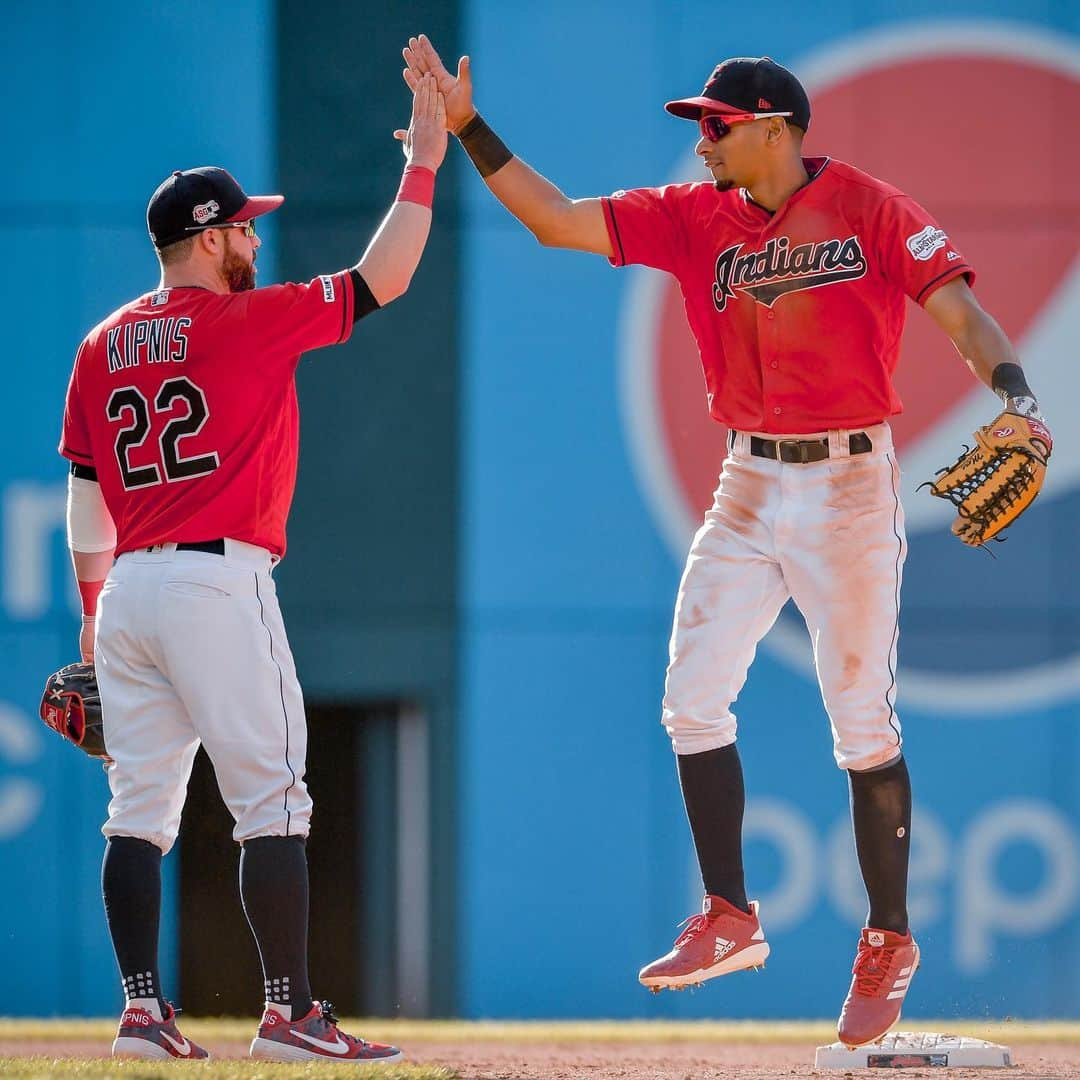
<point>803,451</point>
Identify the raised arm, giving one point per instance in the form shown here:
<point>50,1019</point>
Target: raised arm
<point>394,253</point>
<point>554,219</point>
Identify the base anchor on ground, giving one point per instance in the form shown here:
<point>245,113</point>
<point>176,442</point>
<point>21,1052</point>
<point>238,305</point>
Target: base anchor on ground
<point>916,1050</point>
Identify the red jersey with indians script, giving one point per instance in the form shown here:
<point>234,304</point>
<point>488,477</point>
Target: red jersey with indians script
<point>184,402</point>
<point>798,314</point>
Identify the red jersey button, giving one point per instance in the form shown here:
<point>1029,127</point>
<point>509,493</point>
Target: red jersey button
<point>775,364</point>
<point>776,411</point>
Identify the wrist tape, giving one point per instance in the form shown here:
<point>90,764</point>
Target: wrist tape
<point>417,185</point>
<point>487,150</point>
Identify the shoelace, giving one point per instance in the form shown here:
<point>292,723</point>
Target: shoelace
<point>326,1008</point>
<point>870,967</point>
<point>694,926</point>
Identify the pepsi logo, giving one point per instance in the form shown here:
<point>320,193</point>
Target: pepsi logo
<point>1014,222</point>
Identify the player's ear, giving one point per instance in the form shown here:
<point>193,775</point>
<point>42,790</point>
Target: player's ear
<point>209,241</point>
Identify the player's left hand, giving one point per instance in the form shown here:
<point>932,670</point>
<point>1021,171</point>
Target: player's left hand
<point>993,483</point>
<point>71,706</point>
<point>425,141</point>
<point>422,59</point>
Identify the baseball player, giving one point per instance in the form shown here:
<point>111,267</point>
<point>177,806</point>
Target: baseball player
<point>181,427</point>
<point>794,273</point>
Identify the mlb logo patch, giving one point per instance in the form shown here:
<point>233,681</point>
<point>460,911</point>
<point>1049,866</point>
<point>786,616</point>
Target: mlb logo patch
<point>159,299</point>
<point>327,288</point>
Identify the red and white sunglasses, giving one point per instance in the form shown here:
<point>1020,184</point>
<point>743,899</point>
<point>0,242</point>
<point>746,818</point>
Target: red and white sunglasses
<point>714,126</point>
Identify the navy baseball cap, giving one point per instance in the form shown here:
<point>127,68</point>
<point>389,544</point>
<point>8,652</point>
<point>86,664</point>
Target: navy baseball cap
<point>195,199</point>
<point>748,84</point>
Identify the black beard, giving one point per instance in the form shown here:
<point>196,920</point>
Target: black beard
<point>238,274</point>
<point>724,185</point>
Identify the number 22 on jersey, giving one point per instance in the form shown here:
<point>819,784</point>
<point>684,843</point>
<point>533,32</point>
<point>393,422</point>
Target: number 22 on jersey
<point>128,407</point>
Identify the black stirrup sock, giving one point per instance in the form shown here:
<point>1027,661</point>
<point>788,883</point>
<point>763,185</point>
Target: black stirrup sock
<point>274,890</point>
<point>712,789</point>
<point>131,889</point>
<point>881,815</point>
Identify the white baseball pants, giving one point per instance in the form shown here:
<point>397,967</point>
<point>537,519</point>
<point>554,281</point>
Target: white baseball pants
<point>191,649</point>
<point>829,535</point>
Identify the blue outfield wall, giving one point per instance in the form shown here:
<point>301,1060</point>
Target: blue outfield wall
<point>103,101</point>
<point>576,857</point>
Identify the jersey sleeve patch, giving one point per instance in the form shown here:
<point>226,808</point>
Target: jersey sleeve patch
<point>925,242</point>
<point>328,293</point>
<point>915,253</point>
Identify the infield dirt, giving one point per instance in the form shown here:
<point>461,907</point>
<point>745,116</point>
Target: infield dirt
<point>549,1051</point>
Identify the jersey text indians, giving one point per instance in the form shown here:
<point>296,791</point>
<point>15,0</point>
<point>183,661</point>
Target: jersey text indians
<point>779,269</point>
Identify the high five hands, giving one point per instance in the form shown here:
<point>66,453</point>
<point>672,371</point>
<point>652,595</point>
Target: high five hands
<point>422,60</point>
<point>425,141</point>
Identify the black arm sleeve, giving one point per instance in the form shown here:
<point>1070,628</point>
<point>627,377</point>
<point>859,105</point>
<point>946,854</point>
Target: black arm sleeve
<point>84,472</point>
<point>364,302</point>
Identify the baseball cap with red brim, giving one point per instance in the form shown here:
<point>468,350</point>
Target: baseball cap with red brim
<point>748,84</point>
<point>194,199</point>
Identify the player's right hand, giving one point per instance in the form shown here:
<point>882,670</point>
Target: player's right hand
<point>86,639</point>
<point>422,59</point>
<point>425,141</point>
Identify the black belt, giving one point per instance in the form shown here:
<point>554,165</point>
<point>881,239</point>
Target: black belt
<point>803,451</point>
<point>211,547</point>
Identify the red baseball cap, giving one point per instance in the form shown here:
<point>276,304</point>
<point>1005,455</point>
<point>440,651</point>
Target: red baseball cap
<point>748,84</point>
<point>201,198</point>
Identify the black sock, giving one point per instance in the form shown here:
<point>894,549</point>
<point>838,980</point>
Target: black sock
<point>131,889</point>
<point>881,815</point>
<point>274,890</point>
<point>712,788</point>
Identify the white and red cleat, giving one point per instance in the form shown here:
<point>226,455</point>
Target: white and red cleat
<point>720,940</point>
<point>884,967</point>
<point>140,1035</point>
<point>315,1037</point>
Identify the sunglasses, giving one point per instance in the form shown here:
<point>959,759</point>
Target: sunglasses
<point>714,126</point>
<point>247,226</point>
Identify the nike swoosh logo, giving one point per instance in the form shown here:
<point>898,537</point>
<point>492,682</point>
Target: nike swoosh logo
<point>183,1047</point>
<point>339,1046</point>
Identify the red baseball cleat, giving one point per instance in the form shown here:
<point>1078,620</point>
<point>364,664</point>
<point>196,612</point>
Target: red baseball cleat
<point>315,1037</point>
<point>141,1036</point>
<point>720,940</point>
<point>884,967</point>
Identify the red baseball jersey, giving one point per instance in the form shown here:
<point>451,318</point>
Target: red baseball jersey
<point>184,402</point>
<point>798,314</point>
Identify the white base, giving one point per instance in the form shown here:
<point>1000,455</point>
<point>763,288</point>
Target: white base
<point>915,1050</point>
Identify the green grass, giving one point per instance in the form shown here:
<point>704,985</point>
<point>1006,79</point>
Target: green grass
<point>401,1032</point>
<point>46,1068</point>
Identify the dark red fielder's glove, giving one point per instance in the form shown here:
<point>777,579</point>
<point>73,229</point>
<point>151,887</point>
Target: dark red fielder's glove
<point>71,706</point>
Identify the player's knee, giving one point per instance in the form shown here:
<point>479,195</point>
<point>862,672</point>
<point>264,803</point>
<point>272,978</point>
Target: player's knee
<point>866,759</point>
<point>693,733</point>
<point>117,828</point>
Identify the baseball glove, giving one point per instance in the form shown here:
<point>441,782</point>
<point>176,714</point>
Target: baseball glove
<point>993,483</point>
<point>71,705</point>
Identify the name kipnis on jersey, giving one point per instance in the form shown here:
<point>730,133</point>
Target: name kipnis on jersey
<point>156,341</point>
<point>776,270</point>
